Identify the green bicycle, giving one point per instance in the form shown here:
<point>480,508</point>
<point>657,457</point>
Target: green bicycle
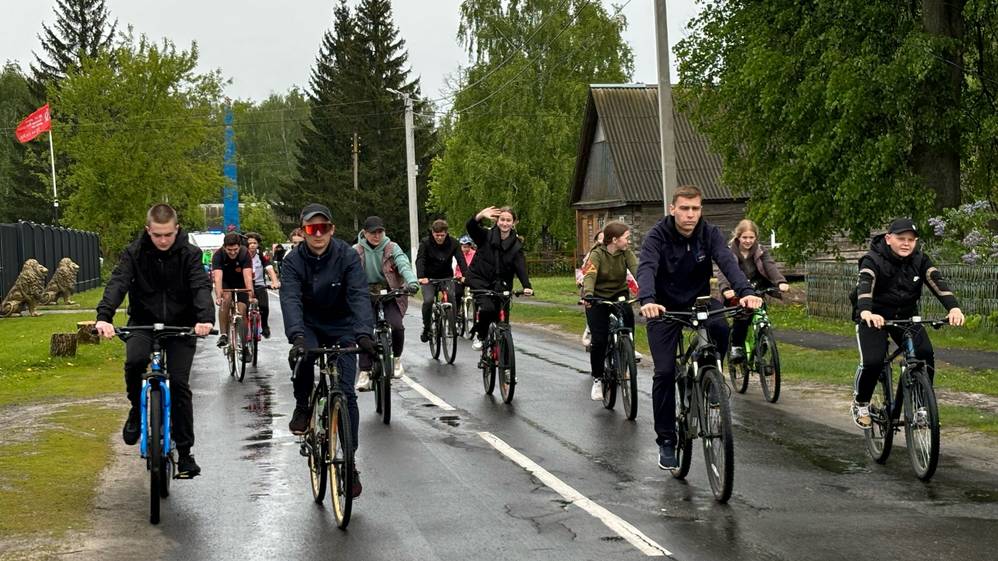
<point>761,355</point>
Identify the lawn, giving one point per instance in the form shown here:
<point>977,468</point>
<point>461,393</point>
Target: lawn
<point>86,300</point>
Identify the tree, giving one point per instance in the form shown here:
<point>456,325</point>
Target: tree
<point>146,128</point>
<point>512,134</point>
<point>256,215</point>
<point>82,29</point>
<point>267,135</point>
<point>835,116</point>
<point>23,194</point>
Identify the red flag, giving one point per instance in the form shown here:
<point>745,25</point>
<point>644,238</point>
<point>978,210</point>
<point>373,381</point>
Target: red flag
<point>34,125</point>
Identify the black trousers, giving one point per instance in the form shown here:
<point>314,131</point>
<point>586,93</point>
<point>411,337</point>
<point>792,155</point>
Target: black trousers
<point>873,350</point>
<point>304,380</point>
<point>598,317</point>
<point>663,339</point>
<point>429,292</point>
<point>179,357</point>
<point>488,312</point>
<point>263,301</point>
<point>393,314</point>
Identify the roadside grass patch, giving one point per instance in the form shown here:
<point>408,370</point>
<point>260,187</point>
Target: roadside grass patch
<point>86,300</point>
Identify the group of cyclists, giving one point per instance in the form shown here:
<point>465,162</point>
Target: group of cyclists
<point>326,287</point>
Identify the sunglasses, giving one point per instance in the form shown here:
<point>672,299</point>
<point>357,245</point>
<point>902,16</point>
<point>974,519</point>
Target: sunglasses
<point>317,229</point>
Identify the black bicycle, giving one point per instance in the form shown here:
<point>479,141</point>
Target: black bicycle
<point>382,365</point>
<point>327,442</point>
<point>620,368</point>
<point>443,322</point>
<point>156,444</point>
<point>466,314</point>
<point>498,355</point>
<point>761,355</point>
<point>702,408</point>
<point>915,394</point>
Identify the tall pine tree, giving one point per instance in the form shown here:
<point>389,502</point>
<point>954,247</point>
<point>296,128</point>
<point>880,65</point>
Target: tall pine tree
<point>83,28</point>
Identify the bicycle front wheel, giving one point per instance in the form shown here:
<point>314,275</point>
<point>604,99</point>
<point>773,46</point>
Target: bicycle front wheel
<point>436,326</point>
<point>718,441</point>
<point>880,436</point>
<point>921,424</point>
<point>382,370</point>
<point>489,360</point>
<point>627,374</point>
<point>255,340</point>
<point>769,365</point>
<point>315,440</point>
<point>684,429</point>
<point>240,351</point>
<point>507,366</point>
<point>449,335</point>
<point>154,451</point>
<point>230,351</point>
<point>341,460</point>
<point>739,373</point>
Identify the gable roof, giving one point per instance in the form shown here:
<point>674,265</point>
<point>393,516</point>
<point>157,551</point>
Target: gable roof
<point>628,115</point>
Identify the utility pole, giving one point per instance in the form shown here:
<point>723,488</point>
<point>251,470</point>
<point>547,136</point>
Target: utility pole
<point>666,124</point>
<point>410,164</point>
<point>356,189</point>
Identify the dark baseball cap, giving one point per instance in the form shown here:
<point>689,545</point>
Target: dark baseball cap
<point>373,224</point>
<point>315,209</point>
<point>902,225</point>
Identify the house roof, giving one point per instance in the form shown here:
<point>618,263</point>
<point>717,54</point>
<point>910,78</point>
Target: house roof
<point>628,114</point>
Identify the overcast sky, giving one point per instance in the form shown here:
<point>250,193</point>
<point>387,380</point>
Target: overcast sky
<point>266,46</point>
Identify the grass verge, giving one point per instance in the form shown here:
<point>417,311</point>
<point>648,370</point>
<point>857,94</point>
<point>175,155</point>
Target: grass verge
<point>86,300</point>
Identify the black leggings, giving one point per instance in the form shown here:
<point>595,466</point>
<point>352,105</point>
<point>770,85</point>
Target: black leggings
<point>263,301</point>
<point>873,350</point>
<point>598,317</point>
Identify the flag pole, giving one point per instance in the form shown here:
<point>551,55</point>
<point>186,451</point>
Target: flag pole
<point>55,193</point>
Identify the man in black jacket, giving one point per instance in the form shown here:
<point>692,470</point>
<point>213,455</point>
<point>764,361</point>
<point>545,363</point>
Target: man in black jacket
<point>433,261</point>
<point>889,286</point>
<point>673,270</point>
<point>162,275</point>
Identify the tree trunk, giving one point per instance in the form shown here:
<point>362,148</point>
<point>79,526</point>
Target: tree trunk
<point>85,334</point>
<point>936,153</point>
<point>63,344</point>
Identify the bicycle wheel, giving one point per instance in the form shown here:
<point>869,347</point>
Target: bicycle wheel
<point>718,441</point>
<point>880,437</point>
<point>154,450</point>
<point>383,381</point>
<point>507,366</point>
<point>469,317</point>
<point>921,424</point>
<point>167,476</point>
<point>739,373</point>
<point>240,349</point>
<point>315,440</point>
<point>230,351</point>
<point>341,462</point>
<point>490,357</point>
<point>685,432</point>
<point>627,373</point>
<point>255,339</point>
<point>769,365</point>
<point>449,335</point>
<point>610,374</point>
<point>435,335</point>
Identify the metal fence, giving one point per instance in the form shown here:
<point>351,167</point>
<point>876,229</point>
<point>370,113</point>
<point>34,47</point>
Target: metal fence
<point>829,284</point>
<point>48,244</point>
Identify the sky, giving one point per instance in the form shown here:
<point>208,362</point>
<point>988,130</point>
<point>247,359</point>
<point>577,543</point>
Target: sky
<point>267,47</point>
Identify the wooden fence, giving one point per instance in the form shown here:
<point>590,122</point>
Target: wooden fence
<point>976,286</point>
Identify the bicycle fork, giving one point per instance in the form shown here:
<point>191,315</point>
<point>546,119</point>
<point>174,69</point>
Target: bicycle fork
<point>158,384</point>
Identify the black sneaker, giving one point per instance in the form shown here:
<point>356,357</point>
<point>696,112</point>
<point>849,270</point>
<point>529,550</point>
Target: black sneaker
<point>187,468</point>
<point>667,456</point>
<point>424,336</point>
<point>133,425</point>
<point>356,488</point>
<point>299,421</point>
<point>223,340</point>
<point>266,333</point>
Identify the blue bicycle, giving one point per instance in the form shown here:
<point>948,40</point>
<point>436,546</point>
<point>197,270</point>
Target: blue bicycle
<point>155,445</point>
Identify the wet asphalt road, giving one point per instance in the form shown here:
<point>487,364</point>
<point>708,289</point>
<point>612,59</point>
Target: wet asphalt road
<point>434,488</point>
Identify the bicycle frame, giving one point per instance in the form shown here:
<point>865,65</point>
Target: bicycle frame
<point>156,379</point>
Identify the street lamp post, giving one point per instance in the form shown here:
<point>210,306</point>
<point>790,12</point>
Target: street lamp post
<point>666,124</point>
<point>410,164</point>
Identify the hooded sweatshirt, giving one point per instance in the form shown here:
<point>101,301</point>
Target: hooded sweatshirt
<point>605,273</point>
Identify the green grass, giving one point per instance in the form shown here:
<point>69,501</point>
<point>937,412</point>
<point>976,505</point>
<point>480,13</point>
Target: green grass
<point>86,300</point>
<point>969,418</point>
<point>557,290</point>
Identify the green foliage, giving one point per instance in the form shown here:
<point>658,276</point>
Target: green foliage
<point>965,234</point>
<point>83,29</point>
<point>267,135</point>
<point>258,216</point>
<point>24,195</point>
<point>140,126</point>
<point>512,134</point>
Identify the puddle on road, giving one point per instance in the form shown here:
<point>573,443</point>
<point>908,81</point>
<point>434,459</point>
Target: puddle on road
<point>452,420</point>
<point>981,495</point>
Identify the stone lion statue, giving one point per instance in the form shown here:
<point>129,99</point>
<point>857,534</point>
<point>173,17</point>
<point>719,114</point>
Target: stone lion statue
<point>27,289</point>
<point>63,283</point>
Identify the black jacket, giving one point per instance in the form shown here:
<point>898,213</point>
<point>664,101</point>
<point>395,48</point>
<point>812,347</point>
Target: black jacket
<point>327,293</point>
<point>496,260</point>
<point>891,286</point>
<point>167,287</point>
<point>434,260</point>
<point>674,270</point>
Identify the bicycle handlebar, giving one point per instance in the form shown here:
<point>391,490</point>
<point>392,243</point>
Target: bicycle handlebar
<point>687,318</point>
<point>158,330</point>
<point>503,293</point>
<point>916,320</point>
<point>237,290</point>
<point>387,295</point>
<point>608,301</point>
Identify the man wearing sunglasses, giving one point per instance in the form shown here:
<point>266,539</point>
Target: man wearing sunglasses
<point>324,301</point>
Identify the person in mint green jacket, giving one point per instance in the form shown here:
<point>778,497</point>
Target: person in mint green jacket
<point>386,267</point>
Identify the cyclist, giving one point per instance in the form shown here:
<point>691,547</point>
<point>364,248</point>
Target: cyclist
<point>261,265</point>
<point>605,276</point>
<point>889,287</point>
<point>324,302</point>
<point>674,269</point>
<point>468,249</point>
<point>436,252</point>
<point>760,269</point>
<point>499,257</point>
<point>161,274</point>
<point>231,268</point>
<point>386,266</point>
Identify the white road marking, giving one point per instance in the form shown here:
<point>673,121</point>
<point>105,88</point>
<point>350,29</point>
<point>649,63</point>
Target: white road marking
<point>427,394</point>
<point>623,528</point>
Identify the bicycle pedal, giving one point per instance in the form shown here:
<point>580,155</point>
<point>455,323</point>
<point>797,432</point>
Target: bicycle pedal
<point>303,450</point>
<point>185,475</point>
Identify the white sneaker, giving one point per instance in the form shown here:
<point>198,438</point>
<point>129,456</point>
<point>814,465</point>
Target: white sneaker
<point>597,393</point>
<point>398,371</point>
<point>861,415</point>
<point>638,356</point>
<point>587,338</point>
<point>476,344</point>
<point>364,381</point>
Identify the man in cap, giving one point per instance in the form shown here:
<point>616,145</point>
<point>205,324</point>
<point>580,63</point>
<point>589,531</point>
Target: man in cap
<point>889,287</point>
<point>324,301</point>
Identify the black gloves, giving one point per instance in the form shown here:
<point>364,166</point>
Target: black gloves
<point>366,344</point>
<point>297,351</point>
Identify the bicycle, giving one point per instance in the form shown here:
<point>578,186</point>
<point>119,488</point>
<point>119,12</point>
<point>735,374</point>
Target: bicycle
<point>761,354</point>
<point>467,316</point>
<point>915,394</point>
<point>702,408</point>
<point>156,444</point>
<point>327,442</point>
<point>443,332</point>
<point>382,365</point>
<point>620,368</point>
<point>498,355</point>
<point>254,331</point>
<point>236,349</point>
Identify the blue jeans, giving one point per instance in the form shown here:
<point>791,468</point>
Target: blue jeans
<point>347,365</point>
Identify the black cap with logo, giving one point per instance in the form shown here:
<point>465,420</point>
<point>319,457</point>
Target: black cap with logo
<point>373,224</point>
<point>902,225</point>
<point>315,209</point>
